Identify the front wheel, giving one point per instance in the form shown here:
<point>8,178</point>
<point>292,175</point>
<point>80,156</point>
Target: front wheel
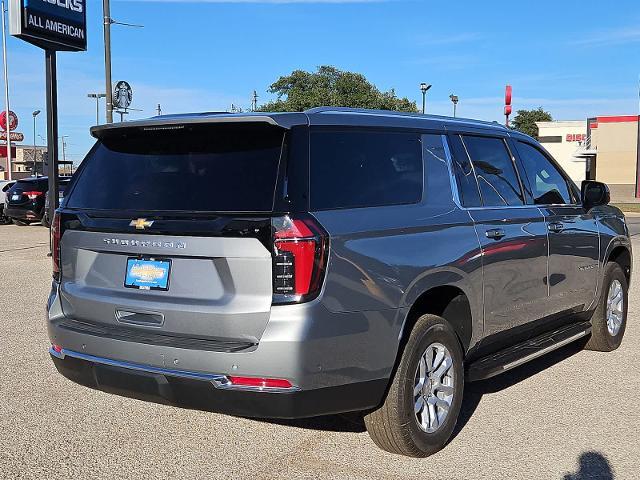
<point>609,320</point>
<point>421,409</point>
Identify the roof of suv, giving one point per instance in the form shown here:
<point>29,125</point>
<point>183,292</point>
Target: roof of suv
<point>316,116</point>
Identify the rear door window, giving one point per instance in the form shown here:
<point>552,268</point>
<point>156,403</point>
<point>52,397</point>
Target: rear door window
<point>221,168</point>
<point>495,171</point>
<point>355,168</point>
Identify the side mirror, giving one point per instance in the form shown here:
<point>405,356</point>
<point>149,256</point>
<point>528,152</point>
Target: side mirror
<point>594,194</point>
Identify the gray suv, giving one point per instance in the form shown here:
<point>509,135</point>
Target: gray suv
<point>291,265</point>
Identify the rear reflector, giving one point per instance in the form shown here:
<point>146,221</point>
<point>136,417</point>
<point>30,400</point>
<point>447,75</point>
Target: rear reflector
<point>260,382</point>
<point>56,348</point>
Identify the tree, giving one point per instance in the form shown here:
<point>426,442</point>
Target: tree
<point>525,121</point>
<point>333,88</point>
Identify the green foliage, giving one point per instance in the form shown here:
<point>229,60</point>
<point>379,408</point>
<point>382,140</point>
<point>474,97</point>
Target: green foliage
<point>332,88</point>
<point>525,121</point>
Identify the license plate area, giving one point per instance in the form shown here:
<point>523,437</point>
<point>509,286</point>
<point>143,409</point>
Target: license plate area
<point>147,273</point>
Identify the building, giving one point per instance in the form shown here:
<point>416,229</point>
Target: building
<point>603,148</point>
<point>563,139</point>
<point>23,162</point>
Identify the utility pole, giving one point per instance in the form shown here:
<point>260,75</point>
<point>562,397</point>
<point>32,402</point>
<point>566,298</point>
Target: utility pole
<point>159,110</point>
<point>35,152</point>
<point>106,7</point>
<point>6,90</point>
<point>254,102</point>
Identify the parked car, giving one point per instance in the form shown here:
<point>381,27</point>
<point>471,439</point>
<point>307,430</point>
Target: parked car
<point>5,185</point>
<point>300,264</point>
<point>62,185</point>
<point>26,200</point>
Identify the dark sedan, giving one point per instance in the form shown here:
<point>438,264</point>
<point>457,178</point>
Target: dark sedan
<point>26,200</point>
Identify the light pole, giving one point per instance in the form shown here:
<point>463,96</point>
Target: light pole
<point>106,7</point>
<point>6,89</point>
<point>424,88</point>
<point>454,100</point>
<point>97,96</point>
<point>35,152</point>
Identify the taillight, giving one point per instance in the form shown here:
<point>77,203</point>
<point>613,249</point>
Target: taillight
<point>55,245</point>
<point>32,195</point>
<point>300,257</point>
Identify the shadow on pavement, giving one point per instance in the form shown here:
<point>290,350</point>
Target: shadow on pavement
<point>354,422</point>
<point>474,391</point>
<point>592,465</point>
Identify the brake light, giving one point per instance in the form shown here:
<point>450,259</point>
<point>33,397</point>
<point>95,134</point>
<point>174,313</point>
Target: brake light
<point>32,195</point>
<point>299,262</point>
<point>55,245</point>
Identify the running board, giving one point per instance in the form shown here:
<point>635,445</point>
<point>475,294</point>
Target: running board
<point>511,357</point>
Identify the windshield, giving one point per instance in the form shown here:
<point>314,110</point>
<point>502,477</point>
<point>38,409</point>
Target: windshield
<point>221,168</point>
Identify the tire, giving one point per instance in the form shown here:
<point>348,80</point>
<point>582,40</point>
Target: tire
<point>20,223</point>
<point>602,339</point>
<point>394,427</point>
<point>45,222</point>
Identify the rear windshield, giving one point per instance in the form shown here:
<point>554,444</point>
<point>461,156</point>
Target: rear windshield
<point>221,168</point>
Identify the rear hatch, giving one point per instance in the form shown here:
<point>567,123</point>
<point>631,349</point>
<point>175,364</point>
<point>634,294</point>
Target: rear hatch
<point>166,235</point>
<point>26,193</point>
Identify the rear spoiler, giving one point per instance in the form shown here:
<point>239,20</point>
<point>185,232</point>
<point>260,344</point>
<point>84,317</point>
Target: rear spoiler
<point>174,122</point>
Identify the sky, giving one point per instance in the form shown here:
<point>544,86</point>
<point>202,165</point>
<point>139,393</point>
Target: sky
<point>573,58</point>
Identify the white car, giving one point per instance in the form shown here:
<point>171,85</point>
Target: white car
<point>5,185</point>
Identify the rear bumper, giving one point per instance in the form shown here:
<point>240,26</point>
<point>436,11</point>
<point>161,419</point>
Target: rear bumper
<point>22,213</point>
<point>210,392</point>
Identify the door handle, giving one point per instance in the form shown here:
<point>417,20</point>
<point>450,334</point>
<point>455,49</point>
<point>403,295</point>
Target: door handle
<point>495,233</point>
<point>556,227</point>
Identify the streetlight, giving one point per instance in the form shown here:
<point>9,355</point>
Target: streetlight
<point>423,88</point>
<point>97,96</point>
<point>35,156</point>
<point>454,100</point>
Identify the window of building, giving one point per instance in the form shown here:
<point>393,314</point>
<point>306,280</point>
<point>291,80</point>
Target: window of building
<point>495,171</point>
<point>357,168</point>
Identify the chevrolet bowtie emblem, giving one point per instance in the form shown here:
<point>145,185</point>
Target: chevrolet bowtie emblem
<point>141,223</point>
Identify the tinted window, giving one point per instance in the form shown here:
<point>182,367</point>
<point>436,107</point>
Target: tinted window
<point>364,169</point>
<point>496,173</point>
<point>465,178</point>
<point>200,168</point>
<point>547,183</point>
<point>438,188</point>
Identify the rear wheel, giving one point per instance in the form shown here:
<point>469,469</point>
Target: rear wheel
<point>19,222</point>
<point>421,409</point>
<point>609,320</point>
<point>45,222</point>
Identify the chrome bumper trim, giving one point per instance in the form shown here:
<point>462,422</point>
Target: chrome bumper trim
<point>218,380</point>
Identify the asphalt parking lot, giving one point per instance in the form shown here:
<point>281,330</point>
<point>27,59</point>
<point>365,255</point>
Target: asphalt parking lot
<point>572,415</point>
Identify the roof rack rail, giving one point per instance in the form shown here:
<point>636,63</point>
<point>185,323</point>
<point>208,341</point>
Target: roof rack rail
<point>395,113</point>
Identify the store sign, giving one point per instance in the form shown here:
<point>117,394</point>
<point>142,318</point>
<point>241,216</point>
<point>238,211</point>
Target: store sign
<point>15,136</point>
<point>50,24</point>
<point>576,137</point>
<point>12,123</point>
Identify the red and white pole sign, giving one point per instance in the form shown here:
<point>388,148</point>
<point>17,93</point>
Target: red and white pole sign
<point>507,103</point>
<point>12,122</point>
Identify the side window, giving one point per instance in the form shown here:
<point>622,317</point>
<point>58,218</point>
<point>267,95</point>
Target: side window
<point>438,182</point>
<point>494,168</point>
<point>548,185</point>
<point>356,168</point>
<point>465,178</point>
